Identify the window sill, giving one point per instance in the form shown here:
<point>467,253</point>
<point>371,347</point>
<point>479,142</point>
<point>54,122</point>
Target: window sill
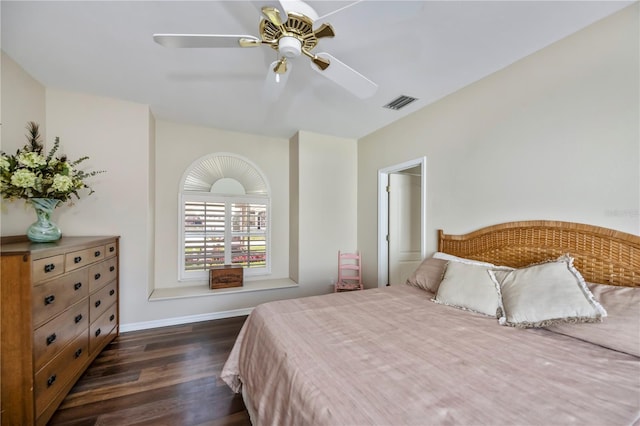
<point>204,290</point>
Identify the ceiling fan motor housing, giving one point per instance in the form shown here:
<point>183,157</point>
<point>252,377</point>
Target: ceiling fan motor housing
<point>292,36</point>
<point>289,47</point>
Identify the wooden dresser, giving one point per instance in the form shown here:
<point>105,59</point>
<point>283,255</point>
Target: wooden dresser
<point>58,310</point>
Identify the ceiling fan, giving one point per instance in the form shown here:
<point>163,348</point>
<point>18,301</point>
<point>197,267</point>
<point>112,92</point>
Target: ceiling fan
<point>292,28</point>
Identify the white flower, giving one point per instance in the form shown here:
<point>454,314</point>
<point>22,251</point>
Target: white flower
<point>61,183</point>
<point>23,178</point>
<point>4,163</point>
<point>31,159</point>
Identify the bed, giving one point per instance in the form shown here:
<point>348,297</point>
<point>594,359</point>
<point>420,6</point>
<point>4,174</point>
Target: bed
<point>391,356</point>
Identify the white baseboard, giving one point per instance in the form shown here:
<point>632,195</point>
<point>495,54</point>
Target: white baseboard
<point>183,320</point>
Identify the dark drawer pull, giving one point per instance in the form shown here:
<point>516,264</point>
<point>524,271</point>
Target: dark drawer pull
<point>78,353</point>
<point>112,317</point>
<point>50,380</point>
<point>51,339</point>
<point>77,259</point>
<point>98,332</point>
<point>77,286</point>
<point>98,303</point>
<point>112,292</point>
<point>78,318</point>
<point>50,267</point>
<point>97,253</point>
<point>96,276</point>
<point>49,299</point>
<point>112,268</point>
<point>112,249</point>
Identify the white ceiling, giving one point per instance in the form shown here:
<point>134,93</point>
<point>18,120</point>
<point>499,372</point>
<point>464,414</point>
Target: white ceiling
<point>106,48</point>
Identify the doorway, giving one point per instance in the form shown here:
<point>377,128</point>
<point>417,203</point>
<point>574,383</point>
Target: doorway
<point>401,220</point>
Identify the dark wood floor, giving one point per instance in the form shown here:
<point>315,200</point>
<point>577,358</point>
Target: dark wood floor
<point>162,376</point>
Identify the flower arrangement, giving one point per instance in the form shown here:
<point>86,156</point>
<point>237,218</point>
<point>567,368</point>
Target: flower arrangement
<point>30,174</point>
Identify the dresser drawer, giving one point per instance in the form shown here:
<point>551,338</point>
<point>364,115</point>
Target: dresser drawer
<point>46,268</point>
<point>101,328</point>
<point>80,258</point>
<point>100,301</point>
<point>50,338</point>
<point>52,377</point>
<point>102,273</point>
<point>111,249</point>
<point>53,297</point>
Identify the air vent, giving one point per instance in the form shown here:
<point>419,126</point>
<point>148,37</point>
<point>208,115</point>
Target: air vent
<point>400,102</point>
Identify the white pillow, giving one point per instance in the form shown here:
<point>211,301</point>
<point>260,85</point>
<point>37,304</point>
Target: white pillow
<point>450,257</point>
<point>469,287</point>
<point>544,294</point>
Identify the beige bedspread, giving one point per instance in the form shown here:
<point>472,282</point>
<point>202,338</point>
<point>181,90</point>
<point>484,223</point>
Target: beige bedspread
<point>393,357</point>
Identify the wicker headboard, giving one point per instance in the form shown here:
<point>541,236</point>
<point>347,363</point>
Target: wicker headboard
<point>601,255</point>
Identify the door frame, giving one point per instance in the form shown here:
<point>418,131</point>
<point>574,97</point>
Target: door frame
<point>383,213</point>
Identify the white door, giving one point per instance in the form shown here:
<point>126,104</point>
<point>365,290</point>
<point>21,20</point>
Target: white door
<point>404,226</point>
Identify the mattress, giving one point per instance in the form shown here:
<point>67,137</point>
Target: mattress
<point>391,356</point>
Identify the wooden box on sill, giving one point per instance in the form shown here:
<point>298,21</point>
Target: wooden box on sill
<point>226,276</point>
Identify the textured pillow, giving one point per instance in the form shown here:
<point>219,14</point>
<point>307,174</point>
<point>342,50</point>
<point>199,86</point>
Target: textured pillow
<point>428,275</point>
<point>468,287</point>
<point>545,294</point>
<point>621,330</point>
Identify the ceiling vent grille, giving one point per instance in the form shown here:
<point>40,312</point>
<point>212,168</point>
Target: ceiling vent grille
<point>400,102</point>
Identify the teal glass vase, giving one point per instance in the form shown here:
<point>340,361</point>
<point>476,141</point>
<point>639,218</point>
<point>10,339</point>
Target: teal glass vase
<point>43,230</point>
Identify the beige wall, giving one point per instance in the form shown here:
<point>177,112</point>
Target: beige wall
<point>294,208</point>
<point>326,204</point>
<point>315,173</point>
<point>22,100</point>
<point>115,135</point>
<point>553,136</point>
<point>151,205</point>
<point>177,147</point>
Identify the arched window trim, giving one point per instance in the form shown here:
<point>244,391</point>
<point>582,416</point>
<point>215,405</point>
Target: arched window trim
<point>258,193</point>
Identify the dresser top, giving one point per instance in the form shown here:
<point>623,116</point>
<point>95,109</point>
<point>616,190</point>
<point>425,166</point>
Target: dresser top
<point>63,245</point>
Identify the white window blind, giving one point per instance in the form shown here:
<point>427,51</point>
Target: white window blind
<point>249,234</point>
<point>225,231</point>
<point>204,235</point>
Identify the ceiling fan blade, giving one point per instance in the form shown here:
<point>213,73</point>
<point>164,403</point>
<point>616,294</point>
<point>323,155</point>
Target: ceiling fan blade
<point>347,77</point>
<point>275,82</point>
<point>274,4</point>
<point>206,40</point>
<point>361,16</point>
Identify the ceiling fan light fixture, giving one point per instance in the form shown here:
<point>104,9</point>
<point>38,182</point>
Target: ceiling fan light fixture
<point>275,83</point>
<point>289,47</point>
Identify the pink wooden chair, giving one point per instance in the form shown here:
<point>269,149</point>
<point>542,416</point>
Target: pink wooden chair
<point>349,274</point>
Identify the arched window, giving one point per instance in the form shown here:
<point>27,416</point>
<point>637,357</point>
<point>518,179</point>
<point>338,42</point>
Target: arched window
<point>224,215</point>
